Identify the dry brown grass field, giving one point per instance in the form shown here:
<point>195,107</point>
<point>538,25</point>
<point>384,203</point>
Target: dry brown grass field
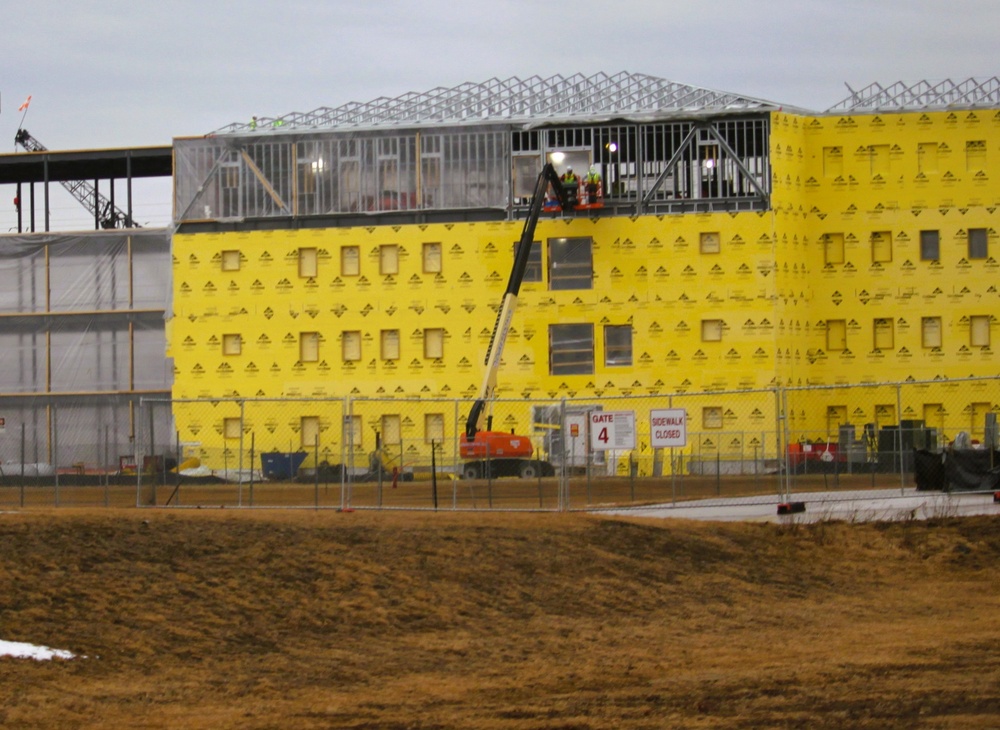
<point>218,618</point>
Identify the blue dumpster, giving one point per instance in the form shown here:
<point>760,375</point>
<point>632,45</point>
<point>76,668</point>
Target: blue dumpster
<point>281,466</point>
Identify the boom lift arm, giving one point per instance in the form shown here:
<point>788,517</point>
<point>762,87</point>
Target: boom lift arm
<point>108,215</point>
<point>487,392</point>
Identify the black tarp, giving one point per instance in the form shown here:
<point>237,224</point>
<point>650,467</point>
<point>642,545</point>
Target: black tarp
<point>959,470</point>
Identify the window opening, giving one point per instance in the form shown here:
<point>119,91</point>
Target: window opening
<point>978,243</point>
<point>434,343</point>
<point>309,346</point>
<point>979,330</point>
<point>711,330</point>
<point>571,263</point>
<point>350,261</point>
<point>351,346</point>
<point>884,335</point>
<point>571,349</point>
<point>836,335</point>
<point>617,345</point>
<point>833,248</point>
<point>930,332</point>
<point>389,344</point>
<point>930,246</point>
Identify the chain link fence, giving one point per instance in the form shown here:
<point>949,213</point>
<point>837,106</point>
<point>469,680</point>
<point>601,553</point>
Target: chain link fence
<point>405,453</point>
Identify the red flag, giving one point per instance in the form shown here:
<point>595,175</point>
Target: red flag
<point>25,104</point>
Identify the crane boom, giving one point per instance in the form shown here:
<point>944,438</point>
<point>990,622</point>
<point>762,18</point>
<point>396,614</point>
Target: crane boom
<point>505,315</point>
<point>90,198</point>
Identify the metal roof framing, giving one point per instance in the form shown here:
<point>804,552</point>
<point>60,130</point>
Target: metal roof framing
<point>944,94</point>
<point>535,100</point>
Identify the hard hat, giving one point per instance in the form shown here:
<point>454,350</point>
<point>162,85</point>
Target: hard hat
<point>593,168</point>
<point>569,168</point>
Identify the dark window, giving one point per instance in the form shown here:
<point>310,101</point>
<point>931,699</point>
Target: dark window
<point>617,345</point>
<point>571,264</point>
<point>977,243</point>
<point>930,246</point>
<point>571,349</point>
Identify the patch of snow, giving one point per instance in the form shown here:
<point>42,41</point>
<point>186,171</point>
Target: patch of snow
<point>22,650</point>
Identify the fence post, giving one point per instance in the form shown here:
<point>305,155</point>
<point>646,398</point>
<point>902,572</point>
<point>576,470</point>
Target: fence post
<point>253,449</point>
<point>434,479</point>
<point>782,438</point>
<point>22,462</point>
<point>900,439</point>
<point>563,499</point>
<point>55,451</point>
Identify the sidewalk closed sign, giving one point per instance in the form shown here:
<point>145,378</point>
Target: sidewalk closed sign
<point>612,430</point>
<point>668,428</point>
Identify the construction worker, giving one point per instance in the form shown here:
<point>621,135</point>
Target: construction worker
<point>570,184</point>
<point>592,183</point>
<point>253,123</point>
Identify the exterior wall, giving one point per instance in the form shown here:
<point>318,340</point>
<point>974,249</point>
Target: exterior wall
<point>895,174</point>
<point>81,343</point>
<point>648,272</point>
<point>770,286</point>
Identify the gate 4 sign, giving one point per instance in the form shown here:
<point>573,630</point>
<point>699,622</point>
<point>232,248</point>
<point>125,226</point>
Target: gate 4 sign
<point>668,428</point>
<point>612,430</point>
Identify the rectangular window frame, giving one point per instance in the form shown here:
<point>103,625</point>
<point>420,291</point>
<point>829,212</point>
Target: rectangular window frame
<point>975,155</point>
<point>709,242</point>
<point>433,343</point>
<point>978,239</point>
<point>712,418</point>
<point>571,263</point>
<point>930,332</point>
<point>930,245</point>
<point>836,335</point>
<point>350,345</point>
<point>391,425</point>
<point>388,259</point>
<point>309,431</point>
<point>617,345</point>
<point>232,344</point>
<point>434,428</point>
<point>571,349</point>
<point>308,346</point>
<point>431,258</point>
<point>389,344</point>
<point>308,263</point>
<point>979,330</point>
<point>712,330</point>
<point>881,244</point>
<point>232,428</point>
<point>833,248</point>
<point>350,261</point>
<point>884,333</point>
<point>231,260</point>
<point>927,157</point>
<point>880,159</point>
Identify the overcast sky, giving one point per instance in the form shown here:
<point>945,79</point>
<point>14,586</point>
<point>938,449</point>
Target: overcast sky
<point>110,73</point>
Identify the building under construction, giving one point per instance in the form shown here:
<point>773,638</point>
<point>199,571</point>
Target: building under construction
<point>732,244</point>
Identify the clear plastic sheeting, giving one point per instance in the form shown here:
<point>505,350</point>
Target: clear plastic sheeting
<point>653,166</point>
<point>83,337</point>
<point>330,173</point>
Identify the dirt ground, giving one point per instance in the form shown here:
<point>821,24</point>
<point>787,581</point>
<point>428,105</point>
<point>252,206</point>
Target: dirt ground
<point>221,618</point>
